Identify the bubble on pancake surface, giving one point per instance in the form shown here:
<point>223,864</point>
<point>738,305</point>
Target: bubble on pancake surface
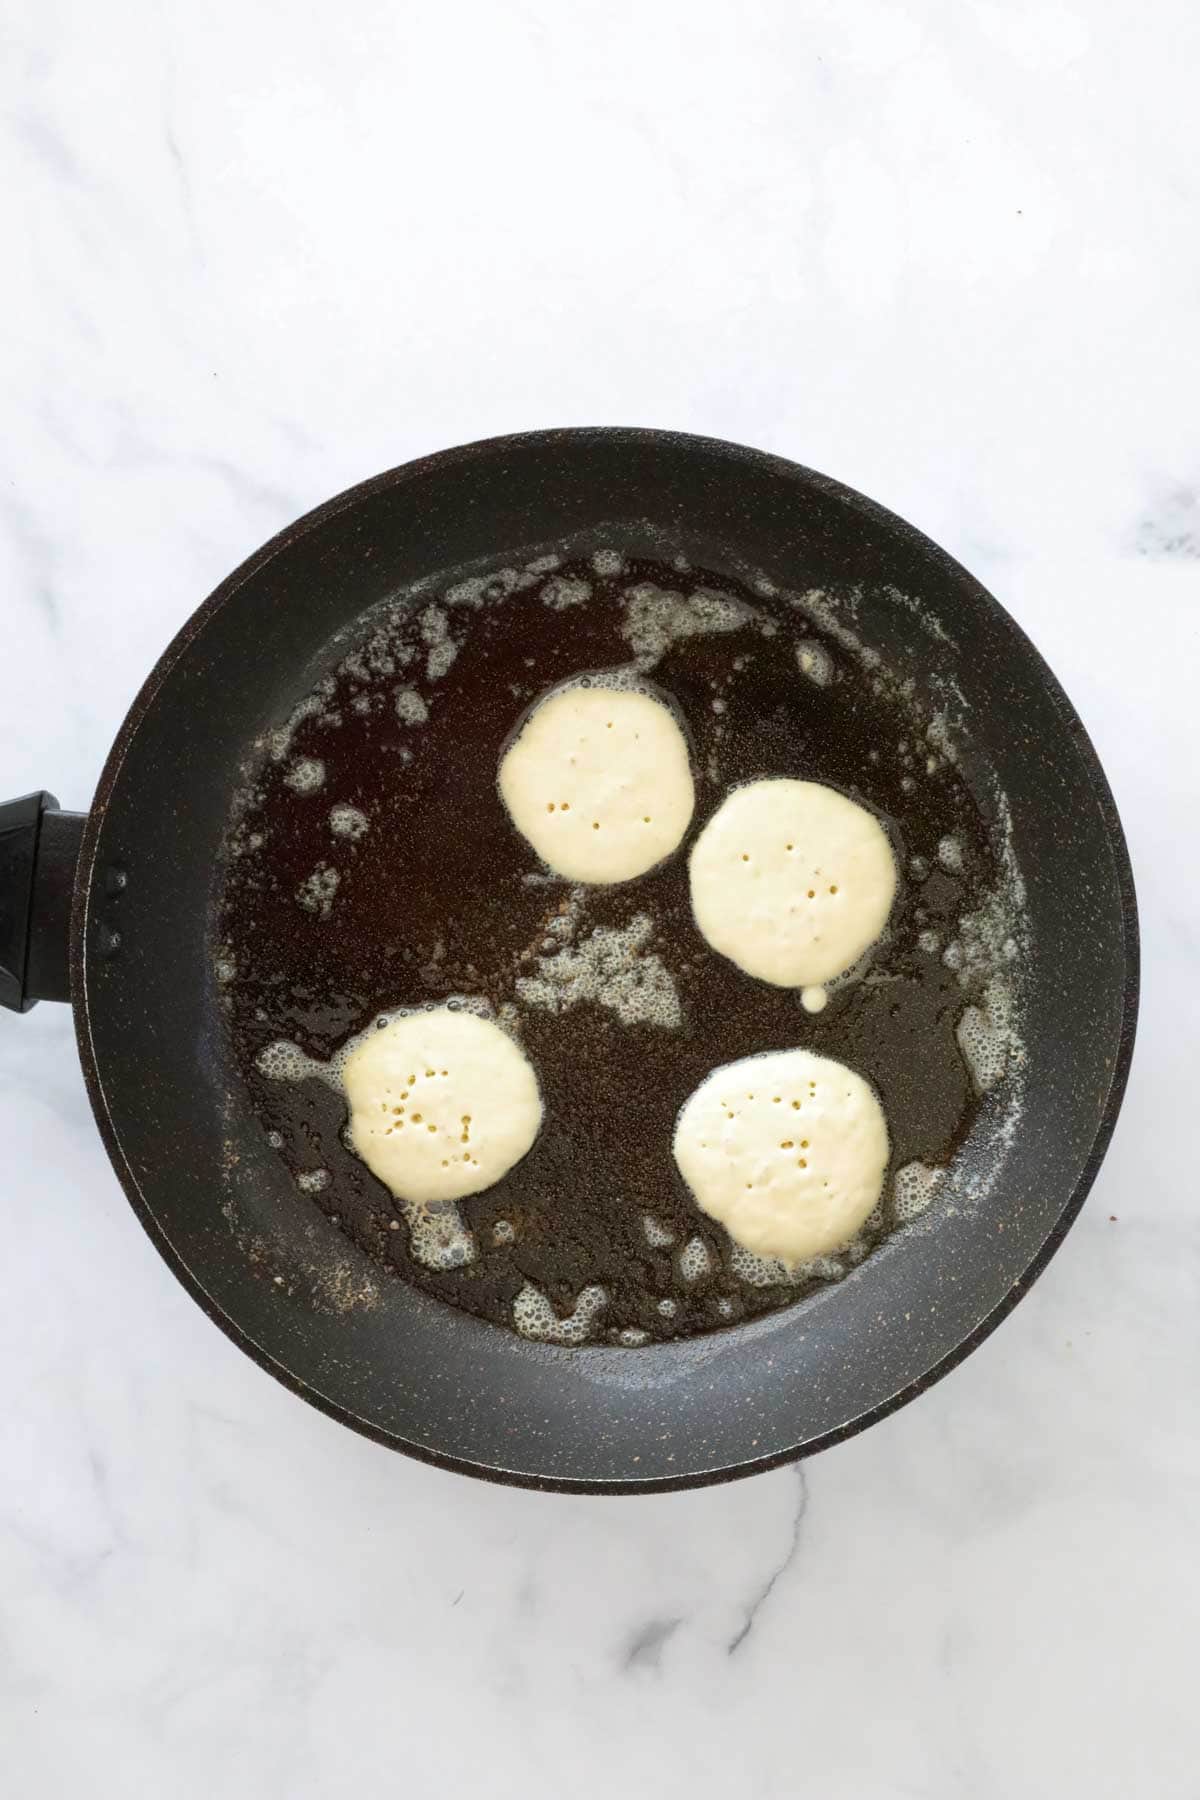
<point>611,968</point>
<point>632,1336</point>
<point>657,1235</point>
<point>535,1317</point>
<point>597,778</point>
<point>313,1181</point>
<point>348,822</point>
<point>305,774</point>
<point>608,562</point>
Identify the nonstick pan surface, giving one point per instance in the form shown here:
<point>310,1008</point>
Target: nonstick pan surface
<point>278,1277</point>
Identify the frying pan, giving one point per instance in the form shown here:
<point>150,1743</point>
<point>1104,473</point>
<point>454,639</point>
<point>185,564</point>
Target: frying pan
<point>114,912</point>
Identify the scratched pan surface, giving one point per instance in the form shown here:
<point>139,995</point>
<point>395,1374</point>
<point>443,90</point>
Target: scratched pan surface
<point>302,1297</point>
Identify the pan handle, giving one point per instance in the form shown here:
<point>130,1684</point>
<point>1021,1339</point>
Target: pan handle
<point>39,848</point>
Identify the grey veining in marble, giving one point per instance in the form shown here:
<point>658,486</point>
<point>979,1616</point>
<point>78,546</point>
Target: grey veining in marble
<point>949,254</point>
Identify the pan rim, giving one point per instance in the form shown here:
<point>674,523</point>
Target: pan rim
<point>293,533</point>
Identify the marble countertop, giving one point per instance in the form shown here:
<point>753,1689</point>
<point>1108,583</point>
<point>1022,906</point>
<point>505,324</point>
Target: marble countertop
<point>946,253</point>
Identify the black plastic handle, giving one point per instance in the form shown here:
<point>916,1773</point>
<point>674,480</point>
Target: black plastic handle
<point>39,850</point>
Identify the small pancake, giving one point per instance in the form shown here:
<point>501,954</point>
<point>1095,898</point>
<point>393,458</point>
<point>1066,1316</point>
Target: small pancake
<point>442,1104</point>
<point>792,881</point>
<point>787,1150</point>
<point>598,781</point>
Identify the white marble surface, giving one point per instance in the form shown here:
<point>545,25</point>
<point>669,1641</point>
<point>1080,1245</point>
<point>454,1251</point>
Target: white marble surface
<point>947,252</point>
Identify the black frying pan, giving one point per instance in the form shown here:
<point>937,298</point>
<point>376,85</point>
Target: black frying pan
<point>135,956</point>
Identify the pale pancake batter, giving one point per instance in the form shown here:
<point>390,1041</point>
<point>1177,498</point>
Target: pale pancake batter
<point>442,1104</point>
<point>792,882</point>
<point>787,1150</point>
<point>598,780</point>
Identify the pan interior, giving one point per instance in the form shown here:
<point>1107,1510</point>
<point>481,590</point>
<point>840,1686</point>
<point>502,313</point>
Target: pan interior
<point>308,1300</point>
<point>370,866</point>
